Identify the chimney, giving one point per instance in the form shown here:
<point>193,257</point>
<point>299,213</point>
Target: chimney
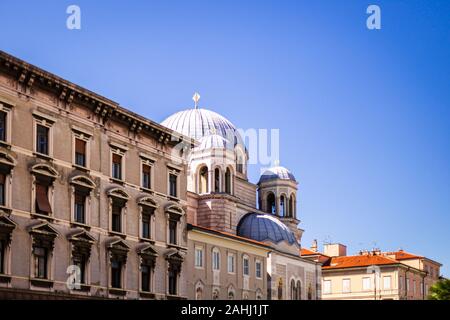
<point>314,245</point>
<point>335,250</point>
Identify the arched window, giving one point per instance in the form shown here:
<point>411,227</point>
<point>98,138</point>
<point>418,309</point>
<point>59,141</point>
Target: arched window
<point>215,295</point>
<point>203,180</point>
<point>228,181</point>
<point>280,289</point>
<point>231,294</point>
<point>283,206</point>
<point>292,206</point>
<point>299,290</point>
<point>271,208</point>
<point>293,290</point>
<point>239,164</point>
<point>198,293</point>
<point>217,180</point>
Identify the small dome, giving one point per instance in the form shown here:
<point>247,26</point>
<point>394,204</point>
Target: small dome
<point>198,123</point>
<point>264,227</point>
<point>276,173</point>
<point>213,141</point>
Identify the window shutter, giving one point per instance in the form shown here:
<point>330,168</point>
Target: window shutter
<point>80,146</point>
<point>42,199</point>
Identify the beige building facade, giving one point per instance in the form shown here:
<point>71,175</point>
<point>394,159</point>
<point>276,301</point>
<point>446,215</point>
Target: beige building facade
<point>88,189</point>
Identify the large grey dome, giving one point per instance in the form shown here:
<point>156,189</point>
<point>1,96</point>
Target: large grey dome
<point>264,227</point>
<point>198,123</point>
<point>276,173</point>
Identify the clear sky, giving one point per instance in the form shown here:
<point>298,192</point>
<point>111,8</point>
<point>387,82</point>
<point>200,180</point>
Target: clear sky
<point>364,115</point>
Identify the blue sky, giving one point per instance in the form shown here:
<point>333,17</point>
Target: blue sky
<point>364,116</point>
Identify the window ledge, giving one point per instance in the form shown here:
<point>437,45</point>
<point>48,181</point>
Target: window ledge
<point>150,191</point>
<point>118,181</point>
<point>117,291</point>
<point>43,156</point>
<point>42,216</point>
<point>119,234</point>
<point>5,209</point>
<point>45,283</point>
<point>81,168</point>
<point>176,246</point>
<point>5,144</point>
<point>175,297</point>
<point>83,287</point>
<point>5,278</point>
<point>147,240</point>
<point>75,224</point>
<point>176,199</point>
<point>147,294</point>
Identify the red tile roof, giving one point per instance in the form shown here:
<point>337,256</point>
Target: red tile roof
<point>307,252</point>
<point>403,255</point>
<point>358,261</point>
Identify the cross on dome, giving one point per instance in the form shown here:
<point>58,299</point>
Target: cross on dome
<point>196,98</point>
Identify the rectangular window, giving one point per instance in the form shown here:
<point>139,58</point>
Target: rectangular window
<point>146,218</point>
<point>414,286</point>
<point>3,126</point>
<point>231,263</point>
<point>40,256</point>
<point>80,152</point>
<point>407,284</point>
<point>116,274</point>
<point>173,282</point>
<point>327,286</point>
<point>400,285</point>
<point>246,267</point>
<point>2,256</point>
<point>258,269</point>
<point>345,285</point>
<point>173,185</point>
<point>198,258</point>
<point>42,139</point>
<point>146,175</point>
<point>172,231</point>
<point>117,166</point>
<point>216,260</point>
<point>2,189</point>
<point>80,262</point>
<point>387,282</point>
<point>80,208</point>
<point>145,278</point>
<point>42,202</point>
<point>116,215</point>
<point>366,283</point>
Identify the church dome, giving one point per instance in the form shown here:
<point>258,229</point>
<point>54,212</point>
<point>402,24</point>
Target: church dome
<point>197,123</point>
<point>264,227</point>
<point>213,141</point>
<point>275,173</point>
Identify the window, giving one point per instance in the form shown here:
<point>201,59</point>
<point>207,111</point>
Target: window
<point>146,224</point>
<point>2,256</point>
<point>80,152</point>
<point>42,139</point>
<point>414,286</point>
<point>345,285</point>
<point>246,266</point>
<point>2,189</point>
<point>80,208</point>
<point>173,275</point>
<point>116,166</point>
<point>116,274</point>
<point>258,269</point>
<point>282,206</point>
<point>42,203</point>
<point>240,164</point>
<point>172,185</point>
<point>271,208</point>
<point>326,286</point>
<point>231,263</point>
<point>172,231</point>
<point>80,261</point>
<point>216,260</point>
<point>366,283</point>
<point>3,126</point>
<point>228,181</point>
<point>145,278</point>
<point>203,180</point>
<point>146,176</point>
<point>217,180</point>
<point>387,282</point>
<point>198,257</point>
<point>40,258</point>
<point>407,284</point>
<point>116,215</point>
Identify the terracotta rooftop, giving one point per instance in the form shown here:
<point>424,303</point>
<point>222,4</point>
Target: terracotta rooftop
<point>403,255</point>
<point>358,261</point>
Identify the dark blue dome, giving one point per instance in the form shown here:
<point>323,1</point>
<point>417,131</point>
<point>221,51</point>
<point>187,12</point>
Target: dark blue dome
<point>276,173</point>
<point>264,227</point>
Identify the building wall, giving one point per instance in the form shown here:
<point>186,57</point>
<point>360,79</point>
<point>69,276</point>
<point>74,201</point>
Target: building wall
<point>25,102</point>
<point>223,281</point>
